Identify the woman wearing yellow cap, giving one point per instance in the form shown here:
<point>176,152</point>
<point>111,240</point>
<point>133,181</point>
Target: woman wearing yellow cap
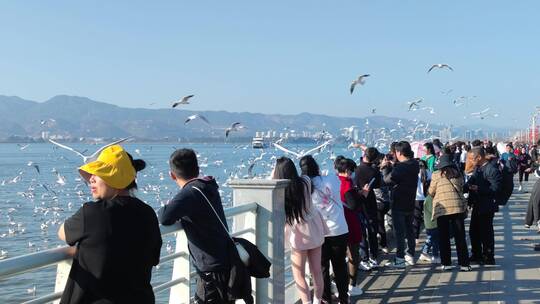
<point>117,236</point>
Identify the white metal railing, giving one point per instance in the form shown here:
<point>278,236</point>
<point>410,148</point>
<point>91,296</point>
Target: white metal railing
<point>261,223</point>
<point>179,285</point>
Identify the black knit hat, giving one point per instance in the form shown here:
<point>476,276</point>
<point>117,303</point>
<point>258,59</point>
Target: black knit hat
<point>445,161</point>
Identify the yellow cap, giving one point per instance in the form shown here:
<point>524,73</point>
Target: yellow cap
<point>113,166</point>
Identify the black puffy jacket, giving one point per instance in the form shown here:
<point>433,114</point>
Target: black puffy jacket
<point>403,179</point>
<point>488,178</point>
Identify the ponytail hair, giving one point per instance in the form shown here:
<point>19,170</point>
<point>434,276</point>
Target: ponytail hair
<point>138,165</point>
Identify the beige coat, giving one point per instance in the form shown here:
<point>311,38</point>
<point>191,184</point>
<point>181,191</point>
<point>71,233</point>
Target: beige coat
<point>446,200</point>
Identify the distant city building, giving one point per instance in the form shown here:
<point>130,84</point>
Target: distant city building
<point>45,135</point>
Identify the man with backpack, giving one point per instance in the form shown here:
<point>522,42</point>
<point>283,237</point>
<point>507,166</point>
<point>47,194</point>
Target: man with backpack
<point>483,187</point>
<point>507,183</point>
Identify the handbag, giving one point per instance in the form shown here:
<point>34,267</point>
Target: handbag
<point>242,252</point>
<point>463,199</point>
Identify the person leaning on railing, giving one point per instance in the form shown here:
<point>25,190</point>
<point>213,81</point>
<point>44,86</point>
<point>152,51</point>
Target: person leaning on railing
<point>207,234</point>
<point>117,236</point>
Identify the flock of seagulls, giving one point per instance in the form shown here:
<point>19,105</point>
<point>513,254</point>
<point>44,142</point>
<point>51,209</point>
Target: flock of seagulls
<point>415,105</point>
<point>235,127</point>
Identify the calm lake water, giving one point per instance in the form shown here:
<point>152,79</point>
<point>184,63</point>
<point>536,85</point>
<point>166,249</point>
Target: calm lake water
<point>33,204</point>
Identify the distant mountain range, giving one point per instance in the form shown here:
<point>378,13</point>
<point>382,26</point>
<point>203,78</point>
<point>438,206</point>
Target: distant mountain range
<point>72,116</point>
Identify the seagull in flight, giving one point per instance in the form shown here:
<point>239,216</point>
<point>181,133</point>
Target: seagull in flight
<point>92,157</point>
<point>184,100</point>
<point>360,80</point>
<point>440,66</point>
<point>252,164</point>
<point>414,105</point>
<point>22,147</point>
<point>234,127</point>
<point>481,113</point>
<point>302,153</point>
<point>484,114</point>
<point>195,116</point>
<point>31,163</point>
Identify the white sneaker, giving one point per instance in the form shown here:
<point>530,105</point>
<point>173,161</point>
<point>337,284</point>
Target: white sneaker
<point>425,257</point>
<point>447,267</point>
<point>333,288</point>
<point>397,263</point>
<point>355,291</point>
<point>385,250</point>
<point>373,263</point>
<point>409,260</point>
<point>465,268</point>
<point>435,260</point>
<point>317,301</point>
<point>365,266</point>
<point>520,188</point>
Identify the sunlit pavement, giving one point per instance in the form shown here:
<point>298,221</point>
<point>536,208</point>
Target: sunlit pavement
<point>515,278</point>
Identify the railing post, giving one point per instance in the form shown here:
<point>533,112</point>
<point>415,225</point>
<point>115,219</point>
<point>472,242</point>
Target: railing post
<point>62,274</point>
<point>269,232</point>
<point>180,293</point>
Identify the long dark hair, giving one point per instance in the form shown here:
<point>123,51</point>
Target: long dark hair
<point>450,172</point>
<point>309,166</point>
<point>295,201</point>
<point>430,149</point>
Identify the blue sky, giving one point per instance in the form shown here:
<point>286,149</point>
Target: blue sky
<point>279,56</point>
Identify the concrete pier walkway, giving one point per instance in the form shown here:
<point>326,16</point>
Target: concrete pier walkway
<point>515,278</point>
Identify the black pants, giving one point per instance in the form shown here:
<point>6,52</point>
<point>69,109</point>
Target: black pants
<point>382,210</point>
<point>334,249</point>
<point>521,173</point>
<point>418,218</point>
<point>482,235</point>
<point>212,288</point>
<point>533,213</point>
<point>403,229</point>
<point>456,223</point>
<point>353,253</point>
<point>369,246</point>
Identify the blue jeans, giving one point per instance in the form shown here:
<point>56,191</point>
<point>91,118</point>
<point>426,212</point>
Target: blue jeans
<point>432,242</point>
<point>403,229</point>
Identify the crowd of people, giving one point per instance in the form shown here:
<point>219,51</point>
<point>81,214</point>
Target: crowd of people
<point>434,193</point>
<point>336,222</point>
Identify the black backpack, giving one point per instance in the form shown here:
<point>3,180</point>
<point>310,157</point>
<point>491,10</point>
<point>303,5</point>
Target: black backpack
<point>511,165</point>
<point>507,186</point>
